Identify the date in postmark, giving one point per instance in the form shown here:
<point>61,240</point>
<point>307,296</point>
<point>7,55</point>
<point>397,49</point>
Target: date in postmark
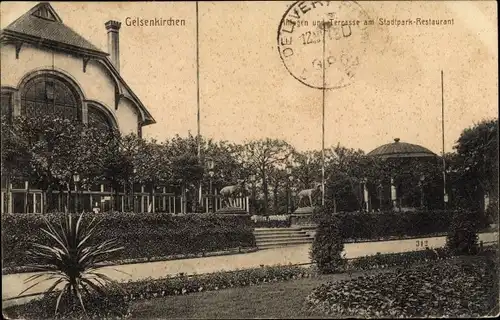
<point>322,43</point>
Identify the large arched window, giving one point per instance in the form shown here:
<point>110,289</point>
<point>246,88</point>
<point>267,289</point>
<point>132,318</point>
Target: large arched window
<point>48,94</point>
<point>98,119</point>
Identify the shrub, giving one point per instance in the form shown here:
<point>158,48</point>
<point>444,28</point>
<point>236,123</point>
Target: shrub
<point>462,237</point>
<point>328,244</point>
<point>183,284</point>
<point>403,259</point>
<point>376,225</point>
<point>112,306</point>
<point>70,258</point>
<point>145,235</point>
<point>448,288</point>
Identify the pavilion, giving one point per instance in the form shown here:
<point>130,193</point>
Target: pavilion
<point>397,193</point>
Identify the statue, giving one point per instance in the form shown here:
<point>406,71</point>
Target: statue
<point>309,194</point>
<point>230,193</point>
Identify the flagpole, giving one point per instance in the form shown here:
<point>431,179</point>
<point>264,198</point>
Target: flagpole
<point>323,126</point>
<point>198,137</point>
<point>445,195</point>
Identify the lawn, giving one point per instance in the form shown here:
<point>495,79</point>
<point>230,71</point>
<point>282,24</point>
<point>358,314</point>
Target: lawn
<point>288,299</point>
<point>269,300</point>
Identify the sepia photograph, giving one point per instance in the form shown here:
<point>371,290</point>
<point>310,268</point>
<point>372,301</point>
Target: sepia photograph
<point>249,159</point>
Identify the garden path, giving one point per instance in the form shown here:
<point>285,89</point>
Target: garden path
<point>13,284</point>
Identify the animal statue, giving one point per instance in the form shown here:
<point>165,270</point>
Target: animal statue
<point>309,194</point>
<point>229,193</point>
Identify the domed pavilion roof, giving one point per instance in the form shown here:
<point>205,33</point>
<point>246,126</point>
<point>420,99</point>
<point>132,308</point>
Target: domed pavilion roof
<point>399,149</point>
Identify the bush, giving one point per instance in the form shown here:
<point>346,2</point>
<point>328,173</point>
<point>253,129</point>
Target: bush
<point>451,288</point>
<point>145,235</point>
<point>377,225</point>
<point>462,237</point>
<point>328,244</point>
<point>182,285</point>
<point>112,306</point>
<point>403,259</point>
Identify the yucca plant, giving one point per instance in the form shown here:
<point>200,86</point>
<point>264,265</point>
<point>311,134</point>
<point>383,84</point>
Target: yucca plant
<point>72,260</point>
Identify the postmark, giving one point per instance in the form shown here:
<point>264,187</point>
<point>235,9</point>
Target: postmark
<point>322,43</point>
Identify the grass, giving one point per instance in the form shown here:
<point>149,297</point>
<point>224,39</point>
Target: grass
<point>269,300</point>
<point>283,300</point>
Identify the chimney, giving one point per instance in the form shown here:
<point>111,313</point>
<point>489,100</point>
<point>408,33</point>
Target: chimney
<point>113,28</point>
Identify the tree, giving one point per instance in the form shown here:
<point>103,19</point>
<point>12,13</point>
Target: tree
<point>118,166</point>
<point>278,179</point>
<point>229,167</point>
<point>476,161</point>
<point>262,156</point>
<point>47,149</point>
<point>345,169</point>
<point>186,171</point>
<point>149,161</point>
<point>307,168</point>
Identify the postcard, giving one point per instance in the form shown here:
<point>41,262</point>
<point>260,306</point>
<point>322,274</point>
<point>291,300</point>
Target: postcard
<point>249,159</point>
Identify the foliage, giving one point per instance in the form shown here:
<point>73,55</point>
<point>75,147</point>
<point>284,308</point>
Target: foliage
<point>379,225</point>
<point>114,305</point>
<point>344,170</point>
<point>328,244</point>
<point>182,284</point>
<point>265,155</point>
<point>448,288</point>
<point>473,169</point>
<point>47,150</point>
<point>229,167</point>
<point>307,168</point>
<point>403,259</point>
<point>71,260</point>
<point>462,237</point>
<point>145,235</point>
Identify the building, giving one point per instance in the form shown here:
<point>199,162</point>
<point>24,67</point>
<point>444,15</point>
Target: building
<point>45,64</point>
<point>409,192</point>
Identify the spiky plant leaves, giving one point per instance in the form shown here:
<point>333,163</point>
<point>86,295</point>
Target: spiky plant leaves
<point>72,259</point>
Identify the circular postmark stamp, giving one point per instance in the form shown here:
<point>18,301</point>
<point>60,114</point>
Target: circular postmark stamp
<point>322,43</point>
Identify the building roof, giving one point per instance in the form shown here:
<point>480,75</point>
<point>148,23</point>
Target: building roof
<point>43,24</point>
<point>399,149</point>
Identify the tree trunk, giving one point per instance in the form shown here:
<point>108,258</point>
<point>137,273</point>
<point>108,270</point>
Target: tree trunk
<point>47,198</point>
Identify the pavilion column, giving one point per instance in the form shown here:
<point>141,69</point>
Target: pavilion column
<point>366,197</point>
<point>394,195</point>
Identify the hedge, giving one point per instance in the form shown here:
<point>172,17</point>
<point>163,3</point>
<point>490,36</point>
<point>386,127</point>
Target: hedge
<point>376,225</point>
<point>145,235</point>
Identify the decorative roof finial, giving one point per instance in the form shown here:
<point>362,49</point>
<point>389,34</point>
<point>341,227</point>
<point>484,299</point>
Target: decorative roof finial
<point>396,140</point>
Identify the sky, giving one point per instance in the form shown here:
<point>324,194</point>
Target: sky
<point>246,92</point>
